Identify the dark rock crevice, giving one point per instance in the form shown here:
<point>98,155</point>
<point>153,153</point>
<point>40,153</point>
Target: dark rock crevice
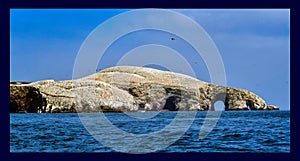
<point>171,103</point>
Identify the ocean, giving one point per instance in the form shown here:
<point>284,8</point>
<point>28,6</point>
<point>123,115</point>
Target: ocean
<point>234,131</point>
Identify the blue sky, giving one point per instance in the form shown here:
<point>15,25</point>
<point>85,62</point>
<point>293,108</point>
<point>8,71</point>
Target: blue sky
<point>253,43</point>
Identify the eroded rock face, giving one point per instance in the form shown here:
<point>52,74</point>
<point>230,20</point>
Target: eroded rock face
<point>25,98</point>
<point>84,96</point>
<point>126,88</point>
<point>153,89</point>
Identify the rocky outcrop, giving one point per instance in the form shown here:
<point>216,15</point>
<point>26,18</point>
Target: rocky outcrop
<point>272,107</point>
<point>127,88</point>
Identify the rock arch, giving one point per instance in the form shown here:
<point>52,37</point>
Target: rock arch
<point>250,104</point>
<point>219,97</point>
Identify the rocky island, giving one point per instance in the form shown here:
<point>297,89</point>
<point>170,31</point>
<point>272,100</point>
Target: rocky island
<point>129,89</point>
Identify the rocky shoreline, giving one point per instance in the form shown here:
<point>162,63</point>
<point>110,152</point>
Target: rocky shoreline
<point>129,89</point>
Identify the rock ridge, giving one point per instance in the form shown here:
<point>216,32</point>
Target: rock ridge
<point>129,88</point>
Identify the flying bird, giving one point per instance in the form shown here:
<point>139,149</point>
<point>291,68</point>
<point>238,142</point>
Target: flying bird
<point>172,38</point>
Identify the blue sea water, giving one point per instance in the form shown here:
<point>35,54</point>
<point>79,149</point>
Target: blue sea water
<point>235,131</point>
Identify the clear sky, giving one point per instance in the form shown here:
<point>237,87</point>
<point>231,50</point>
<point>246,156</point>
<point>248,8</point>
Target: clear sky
<point>254,45</point>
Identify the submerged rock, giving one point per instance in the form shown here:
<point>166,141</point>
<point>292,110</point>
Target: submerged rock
<point>127,88</point>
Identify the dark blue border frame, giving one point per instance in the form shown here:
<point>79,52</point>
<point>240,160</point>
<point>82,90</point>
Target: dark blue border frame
<point>5,67</point>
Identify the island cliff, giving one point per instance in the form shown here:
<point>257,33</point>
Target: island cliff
<point>128,88</point>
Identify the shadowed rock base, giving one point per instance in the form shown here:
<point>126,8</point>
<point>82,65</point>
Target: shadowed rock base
<point>127,88</point>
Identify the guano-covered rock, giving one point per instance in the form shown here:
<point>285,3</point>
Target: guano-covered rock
<point>128,88</point>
